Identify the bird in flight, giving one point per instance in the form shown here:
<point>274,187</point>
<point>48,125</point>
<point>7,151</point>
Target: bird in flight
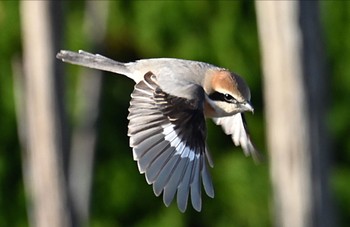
<point>169,105</point>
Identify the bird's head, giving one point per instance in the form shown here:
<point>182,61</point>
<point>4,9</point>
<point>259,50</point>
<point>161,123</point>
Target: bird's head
<point>227,94</point>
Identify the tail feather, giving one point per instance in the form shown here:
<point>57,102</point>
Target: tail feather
<point>94,61</point>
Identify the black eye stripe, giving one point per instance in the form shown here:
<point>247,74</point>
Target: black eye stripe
<point>217,96</point>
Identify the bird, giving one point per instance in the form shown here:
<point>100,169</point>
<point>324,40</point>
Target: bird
<point>170,103</point>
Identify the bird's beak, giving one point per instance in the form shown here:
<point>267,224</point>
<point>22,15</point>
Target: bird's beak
<point>246,106</point>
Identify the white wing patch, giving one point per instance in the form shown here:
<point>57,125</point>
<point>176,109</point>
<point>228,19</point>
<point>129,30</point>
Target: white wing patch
<point>181,148</point>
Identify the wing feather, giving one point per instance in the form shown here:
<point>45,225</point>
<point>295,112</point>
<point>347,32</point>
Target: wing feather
<point>236,127</point>
<point>168,134</point>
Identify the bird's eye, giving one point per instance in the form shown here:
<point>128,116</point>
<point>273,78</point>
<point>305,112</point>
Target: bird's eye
<point>229,98</point>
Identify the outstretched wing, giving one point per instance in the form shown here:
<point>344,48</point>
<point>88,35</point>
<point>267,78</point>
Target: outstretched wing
<point>168,135</point>
<point>235,126</point>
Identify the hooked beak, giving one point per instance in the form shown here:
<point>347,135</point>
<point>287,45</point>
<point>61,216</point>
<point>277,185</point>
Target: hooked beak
<point>246,106</point>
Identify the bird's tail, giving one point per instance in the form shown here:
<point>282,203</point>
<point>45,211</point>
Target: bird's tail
<point>94,61</point>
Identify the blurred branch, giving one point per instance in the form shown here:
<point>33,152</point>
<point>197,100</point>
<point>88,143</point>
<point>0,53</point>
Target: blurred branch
<point>84,134</point>
<point>45,181</point>
<point>295,128</point>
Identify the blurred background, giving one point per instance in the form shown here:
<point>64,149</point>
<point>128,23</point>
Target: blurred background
<point>96,175</point>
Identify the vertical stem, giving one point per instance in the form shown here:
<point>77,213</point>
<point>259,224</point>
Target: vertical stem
<point>295,97</point>
<point>286,112</point>
<point>45,176</point>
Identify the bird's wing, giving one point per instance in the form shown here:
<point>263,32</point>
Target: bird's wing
<point>235,126</point>
<point>168,135</point>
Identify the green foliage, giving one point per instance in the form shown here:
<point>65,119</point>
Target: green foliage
<point>12,206</point>
<point>336,19</point>
<point>219,32</point>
